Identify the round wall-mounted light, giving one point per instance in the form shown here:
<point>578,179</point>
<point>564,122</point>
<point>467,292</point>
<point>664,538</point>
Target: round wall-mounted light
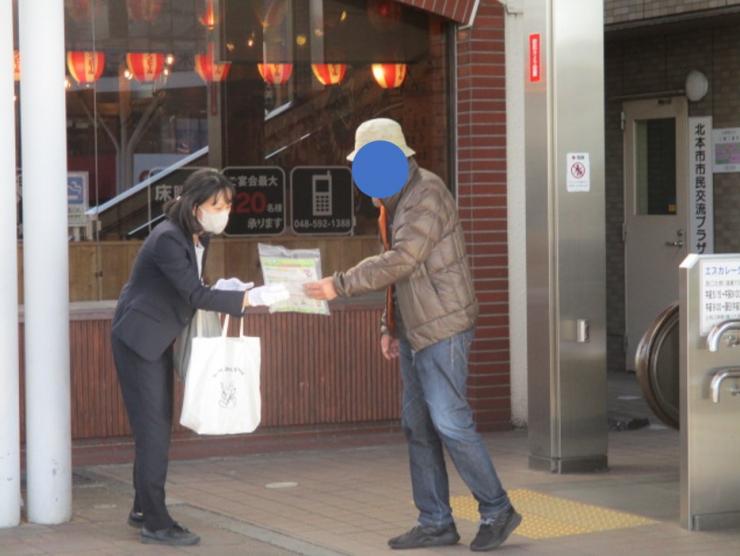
<point>697,86</point>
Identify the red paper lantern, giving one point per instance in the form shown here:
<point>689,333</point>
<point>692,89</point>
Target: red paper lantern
<point>16,65</point>
<point>209,17</point>
<point>85,67</point>
<point>329,74</point>
<point>389,76</point>
<point>275,74</point>
<point>209,70</point>
<point>384,15</point>
<point>144,10</point>
<point>145,66</point>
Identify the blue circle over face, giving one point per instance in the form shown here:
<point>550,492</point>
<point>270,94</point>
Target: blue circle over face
<point>380,169</point>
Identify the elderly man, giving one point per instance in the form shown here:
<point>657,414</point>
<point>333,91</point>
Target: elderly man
<point>429,322</point>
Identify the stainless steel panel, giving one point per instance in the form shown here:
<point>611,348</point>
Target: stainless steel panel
<point>542,383</point>
<point>710,430</point>
<point>566,238</point>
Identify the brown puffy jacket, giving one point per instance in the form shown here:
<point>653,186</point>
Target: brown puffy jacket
<point>427,263</point>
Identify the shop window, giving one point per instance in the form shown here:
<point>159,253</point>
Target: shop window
<point>157,88</point>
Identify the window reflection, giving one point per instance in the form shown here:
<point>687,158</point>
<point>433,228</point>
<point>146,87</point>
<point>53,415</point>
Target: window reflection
<point>157,88</point>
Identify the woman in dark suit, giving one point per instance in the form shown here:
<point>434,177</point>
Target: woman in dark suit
<point>161,296</point>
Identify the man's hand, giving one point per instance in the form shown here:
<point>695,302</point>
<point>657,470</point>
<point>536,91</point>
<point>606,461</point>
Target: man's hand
<point>390,347</point>
<point>323,290</point>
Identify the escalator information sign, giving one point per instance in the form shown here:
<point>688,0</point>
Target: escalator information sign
<point>258,207</point>
<point>720,292</point>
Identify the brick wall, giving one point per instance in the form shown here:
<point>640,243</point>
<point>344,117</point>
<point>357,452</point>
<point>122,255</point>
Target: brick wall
<point>654,63</point>
<point>482,202</point>
<point>621,11</point>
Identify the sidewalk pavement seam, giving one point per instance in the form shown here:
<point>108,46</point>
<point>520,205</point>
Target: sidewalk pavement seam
<point>267,536</point>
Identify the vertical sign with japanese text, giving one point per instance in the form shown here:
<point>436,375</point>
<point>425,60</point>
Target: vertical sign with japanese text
<point>535,58</point>
<point>720,292</point>
<point>701,186</point>
<point>259,204</point>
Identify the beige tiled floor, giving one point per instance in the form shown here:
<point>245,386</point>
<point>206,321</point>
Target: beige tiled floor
<point>350,501</point>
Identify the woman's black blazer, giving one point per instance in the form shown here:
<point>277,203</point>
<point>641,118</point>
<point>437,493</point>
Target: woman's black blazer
<point>163,292</point>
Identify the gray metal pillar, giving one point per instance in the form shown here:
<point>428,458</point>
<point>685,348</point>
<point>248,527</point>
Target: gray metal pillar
<point>566,286</point>
<point>10,462</point>
<point>46,263</point>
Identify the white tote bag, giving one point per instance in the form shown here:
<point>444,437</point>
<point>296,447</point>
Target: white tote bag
<point>222,387</point>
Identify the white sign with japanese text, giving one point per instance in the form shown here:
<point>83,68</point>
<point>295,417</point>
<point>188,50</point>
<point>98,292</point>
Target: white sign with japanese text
<point>701,187</point>
<point>720,292</point>
<point>578,172</point>
<point>726,143</point>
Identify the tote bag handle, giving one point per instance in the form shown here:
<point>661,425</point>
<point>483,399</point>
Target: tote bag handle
<point>225,328</point>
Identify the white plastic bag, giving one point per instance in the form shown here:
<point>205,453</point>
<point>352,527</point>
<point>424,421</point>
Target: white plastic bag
<point>292,268</point>
<point>222,387</point>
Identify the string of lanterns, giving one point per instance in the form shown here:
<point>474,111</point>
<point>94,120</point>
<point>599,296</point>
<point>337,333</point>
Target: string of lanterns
<point>86,67</point>
<point>146,67</point>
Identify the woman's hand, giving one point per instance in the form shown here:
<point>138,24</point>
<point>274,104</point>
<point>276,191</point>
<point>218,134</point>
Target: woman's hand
<point>323,290</point>
<point>232,284</point>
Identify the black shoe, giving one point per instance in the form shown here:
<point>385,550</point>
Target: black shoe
<point>422,537</point>
<point>176,535</point>
<point>136,519</point>
<point>494,534</point>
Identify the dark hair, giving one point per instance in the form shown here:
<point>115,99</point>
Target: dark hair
<point>198,188</point>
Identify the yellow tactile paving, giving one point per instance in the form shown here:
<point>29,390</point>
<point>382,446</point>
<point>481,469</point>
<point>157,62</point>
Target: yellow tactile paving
<point>547,517</point>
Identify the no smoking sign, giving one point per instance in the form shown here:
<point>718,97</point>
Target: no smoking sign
<point>578,172</point>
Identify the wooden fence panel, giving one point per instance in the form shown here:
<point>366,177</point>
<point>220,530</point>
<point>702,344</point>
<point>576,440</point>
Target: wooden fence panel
<point>315,371</point>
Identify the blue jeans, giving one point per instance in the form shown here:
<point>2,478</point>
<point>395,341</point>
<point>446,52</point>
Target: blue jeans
<point>436,413</point>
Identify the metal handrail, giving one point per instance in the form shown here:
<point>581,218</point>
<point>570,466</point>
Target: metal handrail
<point>94,211</point>
<point>720,376</point>
<point>718,330</point>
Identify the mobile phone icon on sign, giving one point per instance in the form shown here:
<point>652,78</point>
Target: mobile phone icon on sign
<point>321,185</point>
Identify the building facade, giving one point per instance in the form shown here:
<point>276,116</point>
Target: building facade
<point>650,50</point>
<point>271,91</point>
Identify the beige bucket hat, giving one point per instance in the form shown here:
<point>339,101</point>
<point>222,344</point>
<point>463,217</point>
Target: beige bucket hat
<point>380,129</point>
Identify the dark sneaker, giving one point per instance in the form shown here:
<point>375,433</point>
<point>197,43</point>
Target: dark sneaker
<point>422,537</point>
<point>136,519</point>
<point>494,534</point>
<point>176,535</point>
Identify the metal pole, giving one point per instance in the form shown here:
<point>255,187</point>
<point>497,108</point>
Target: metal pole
<point>565,231</point>
<point>46,265</point>
<point>10,460</point>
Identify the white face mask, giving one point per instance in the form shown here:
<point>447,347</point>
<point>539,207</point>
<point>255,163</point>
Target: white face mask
<point>213,222</point>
